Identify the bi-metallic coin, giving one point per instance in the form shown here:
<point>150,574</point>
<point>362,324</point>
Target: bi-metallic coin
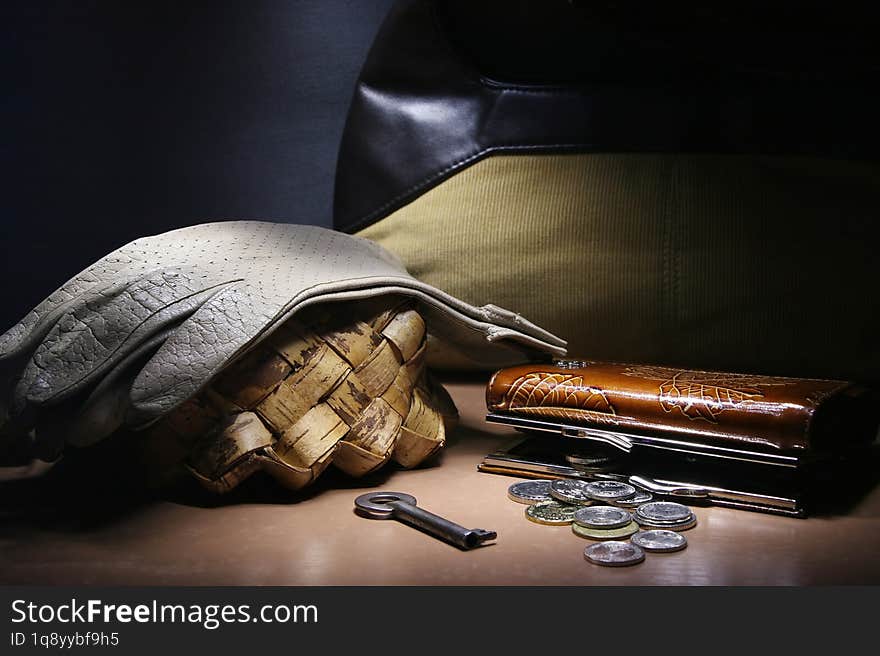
<point>609,490</point>
<point>614,554</point>
<point>552,513</point>
<point>660,540</point>
<point>605,534</point>
<point>571,491</point>
<point>530,491</point>
<point>602,517</point>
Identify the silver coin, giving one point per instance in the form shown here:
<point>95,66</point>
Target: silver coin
<point>681,526</point>
<point>605,533</point>
<point>593,465</point>
<point>635,500</point>
<point>609,490</point>
<point>660,540</point>
<point>552,513</point>
<point>592,459</point>
<point>587,461</point>
<point>602,517</point>
<point>664,512</point>
<point>639,518</point>
<point>530,491</point>
<point>570,491</point>
<point>614,554</point>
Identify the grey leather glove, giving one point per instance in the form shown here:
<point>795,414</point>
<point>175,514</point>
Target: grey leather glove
<point>143,329</point>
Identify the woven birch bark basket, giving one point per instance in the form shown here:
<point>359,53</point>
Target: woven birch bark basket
<point>342,384</point>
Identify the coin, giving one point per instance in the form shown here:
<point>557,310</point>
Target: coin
<point>605,534</point>
<point>635,500</point>
<point>529,491</point>
<point>594,458</point>
<point>664,512</point>
<point>614,554</point>
<point>569,491</point>
<point>609,490</point>
<point>683,526</point>
<point>643,520</point>
<point>602,517</point>
<point>661,540</point>
<point>553,513</point>
<point>590,461</point>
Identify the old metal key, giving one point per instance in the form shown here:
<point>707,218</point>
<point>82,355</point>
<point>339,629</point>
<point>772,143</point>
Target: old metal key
<point>402,507</point>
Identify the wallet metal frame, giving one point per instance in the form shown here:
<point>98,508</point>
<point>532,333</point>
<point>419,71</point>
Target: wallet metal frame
<point>627,441</point>
<point>509,462</point>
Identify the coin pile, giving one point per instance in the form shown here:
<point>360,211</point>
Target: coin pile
<point>603,523</point>
<point>665,515</point>
<point>598,510</point>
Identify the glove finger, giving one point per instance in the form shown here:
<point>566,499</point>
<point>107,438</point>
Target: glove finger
<point>83,423</point>
<point>215,334</point>
<point>98,334</point>
<point>107,405</point>
<point>28,332</point>
<point>18,344</point>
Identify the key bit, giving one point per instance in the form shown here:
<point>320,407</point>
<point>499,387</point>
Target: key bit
<point>402,507</point>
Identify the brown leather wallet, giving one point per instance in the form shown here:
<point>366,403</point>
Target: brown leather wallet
<point>764,419</point>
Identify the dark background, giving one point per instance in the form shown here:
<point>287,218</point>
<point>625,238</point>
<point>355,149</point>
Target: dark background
<point>121,119</point>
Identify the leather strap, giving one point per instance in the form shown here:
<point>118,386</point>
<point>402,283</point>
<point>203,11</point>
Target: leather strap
<point>422,112</point>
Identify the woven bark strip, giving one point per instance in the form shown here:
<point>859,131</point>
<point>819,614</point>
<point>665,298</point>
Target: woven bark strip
<point>415,366</point>
<point>406,331</point>
<point>349,399</point>
<point>283,407</point>
<point>252,378</point>
<point>321,371</point>
<point>194,418</point>
<point>379,371</point>
<point>438,398</point>
<point>399,393</point>
<point>354,344</point>
<point>412,448</point>
<point>423,432</point>
<point>376,429</point>
<point>311,438</point>
<point>295,343</point>
<point>290,475</point>
<point>342,384</point>
<point>219,452</point>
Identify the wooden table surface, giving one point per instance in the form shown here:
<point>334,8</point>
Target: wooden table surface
<point>77,528</point>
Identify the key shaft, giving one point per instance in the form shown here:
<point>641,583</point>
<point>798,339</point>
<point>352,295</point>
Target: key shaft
<point>402,507</point>
<point>466,538</point>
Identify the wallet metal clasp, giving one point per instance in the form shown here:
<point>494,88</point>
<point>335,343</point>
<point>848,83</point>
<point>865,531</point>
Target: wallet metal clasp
<point>627,441</point>
<point>772,490</point>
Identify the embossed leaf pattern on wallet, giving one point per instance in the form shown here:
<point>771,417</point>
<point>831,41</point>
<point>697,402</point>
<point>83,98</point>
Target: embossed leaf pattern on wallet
<point>759,413</point>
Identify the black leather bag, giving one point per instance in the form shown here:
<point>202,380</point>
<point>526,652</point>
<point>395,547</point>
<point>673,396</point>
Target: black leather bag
<point>682,185</point>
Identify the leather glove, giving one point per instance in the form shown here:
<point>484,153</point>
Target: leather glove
<point>145,328</point>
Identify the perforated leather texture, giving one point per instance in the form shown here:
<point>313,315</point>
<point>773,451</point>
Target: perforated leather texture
<point>199,297</point>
